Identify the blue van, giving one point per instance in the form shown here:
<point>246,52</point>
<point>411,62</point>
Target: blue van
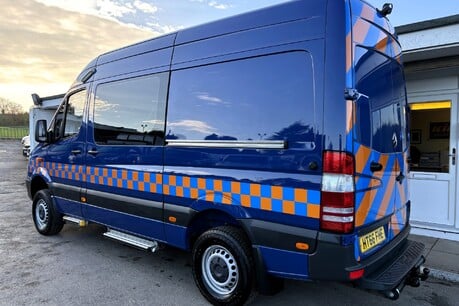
<point>271,145</point>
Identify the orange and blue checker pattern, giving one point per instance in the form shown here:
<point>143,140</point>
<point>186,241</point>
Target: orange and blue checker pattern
<point>281,199</point>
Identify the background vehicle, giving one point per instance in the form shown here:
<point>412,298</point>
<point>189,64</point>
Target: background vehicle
<point>43,109</point>
<point>25,141</point>
<point>236,140</point>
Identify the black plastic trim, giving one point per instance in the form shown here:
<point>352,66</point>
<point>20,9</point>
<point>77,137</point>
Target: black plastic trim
<point>28,184</point>
<point>182,214</point>
<point>69,192</point>
<point>331,258</point>
<point>279,236</point>
<point>129,205</point>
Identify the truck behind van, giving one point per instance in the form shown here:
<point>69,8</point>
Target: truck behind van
<point>271,145</point>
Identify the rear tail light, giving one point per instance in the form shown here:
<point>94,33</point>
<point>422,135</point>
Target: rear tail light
<point>337,193</point>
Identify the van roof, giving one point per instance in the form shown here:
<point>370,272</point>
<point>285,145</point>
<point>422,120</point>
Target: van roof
<point>284,12</point>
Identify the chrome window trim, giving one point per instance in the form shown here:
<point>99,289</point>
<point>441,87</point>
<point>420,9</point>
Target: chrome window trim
<point>235,144</point>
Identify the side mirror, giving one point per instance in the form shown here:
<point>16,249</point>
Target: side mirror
<point>41,134</point>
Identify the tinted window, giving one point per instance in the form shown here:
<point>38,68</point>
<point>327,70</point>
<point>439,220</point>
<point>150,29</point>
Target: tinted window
<point>385,124</point>
<point>263,98</point>
<point>379,117</point>
<point>400,96</point>
<point>70,116</point>
<point>131,111</point>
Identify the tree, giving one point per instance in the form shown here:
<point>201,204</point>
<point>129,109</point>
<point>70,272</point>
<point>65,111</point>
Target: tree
<point>11,114</point>
<point>9,107</point>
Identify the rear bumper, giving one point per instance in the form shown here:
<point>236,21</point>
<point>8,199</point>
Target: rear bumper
<point>330,256</point>
<point>333,261</point>
<point>391,273</point>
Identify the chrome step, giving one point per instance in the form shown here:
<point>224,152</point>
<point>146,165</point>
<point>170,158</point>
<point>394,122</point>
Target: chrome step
<point>132,240</point>
<point>80,222</point>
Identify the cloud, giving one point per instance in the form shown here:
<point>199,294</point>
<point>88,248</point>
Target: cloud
<point>214,4</point>
<point>204,96</point>
<point>193,125</point>
<point>162,28</point>
<point>44,47</point>
<point>145,7</point>
<point>210,99</point>
<point>112,9</point>
<point>101,8</point>
<point>81,6</point>
<point>219,6</point>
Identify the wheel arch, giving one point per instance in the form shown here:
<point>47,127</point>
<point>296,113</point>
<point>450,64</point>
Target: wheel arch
<point>207,219</point>
<point>38,183</point>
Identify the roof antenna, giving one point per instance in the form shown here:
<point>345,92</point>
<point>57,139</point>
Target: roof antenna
<point>386,10</point>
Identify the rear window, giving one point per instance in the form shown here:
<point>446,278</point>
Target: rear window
<point>380,112</point>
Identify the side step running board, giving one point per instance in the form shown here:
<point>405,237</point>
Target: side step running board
<point>81,223</point>
<point>132,240</point>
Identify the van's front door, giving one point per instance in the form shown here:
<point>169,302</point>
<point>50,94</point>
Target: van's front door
<point>125,155</point>
<point>65,156</point>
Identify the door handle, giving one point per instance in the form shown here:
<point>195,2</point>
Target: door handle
<point>400,177</point>
<point>453,156</point>
<point>93,152</point>
<point>374,167</point>
<point>76,152</point>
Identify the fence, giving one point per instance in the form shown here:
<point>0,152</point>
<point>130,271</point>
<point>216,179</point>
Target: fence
<point>13,132</point>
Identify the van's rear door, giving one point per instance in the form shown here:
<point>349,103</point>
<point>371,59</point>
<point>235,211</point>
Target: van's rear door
<point>379,137</point>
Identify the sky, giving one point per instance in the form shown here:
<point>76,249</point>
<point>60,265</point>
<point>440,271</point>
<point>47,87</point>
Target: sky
<point>46,43</point>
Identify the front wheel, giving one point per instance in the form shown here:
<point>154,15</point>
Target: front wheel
<point>47,221</point>
<point>223,266</point>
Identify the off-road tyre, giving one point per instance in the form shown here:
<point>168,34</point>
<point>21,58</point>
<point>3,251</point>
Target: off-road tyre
<point>45,217</point>
<point>223,266</point>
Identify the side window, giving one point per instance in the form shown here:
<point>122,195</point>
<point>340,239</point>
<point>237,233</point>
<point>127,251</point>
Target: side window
<point>131,111</point>
<point>70,115</point>
<point>263,98</point>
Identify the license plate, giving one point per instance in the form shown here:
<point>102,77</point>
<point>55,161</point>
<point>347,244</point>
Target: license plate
<point>372,239</point>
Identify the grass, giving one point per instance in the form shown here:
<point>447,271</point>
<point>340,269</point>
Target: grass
<point>13,132</point>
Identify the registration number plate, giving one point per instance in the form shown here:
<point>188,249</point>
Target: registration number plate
<point>372,239</point>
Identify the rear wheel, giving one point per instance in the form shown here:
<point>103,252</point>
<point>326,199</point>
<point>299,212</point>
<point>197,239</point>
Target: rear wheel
<point>223,266</point>
<point>47,221</point>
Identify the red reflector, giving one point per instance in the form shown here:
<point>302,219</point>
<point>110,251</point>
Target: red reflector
<point>337,227</point>
<point>338,162</point>
<point>353,275</point>
<point>336,199</point>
